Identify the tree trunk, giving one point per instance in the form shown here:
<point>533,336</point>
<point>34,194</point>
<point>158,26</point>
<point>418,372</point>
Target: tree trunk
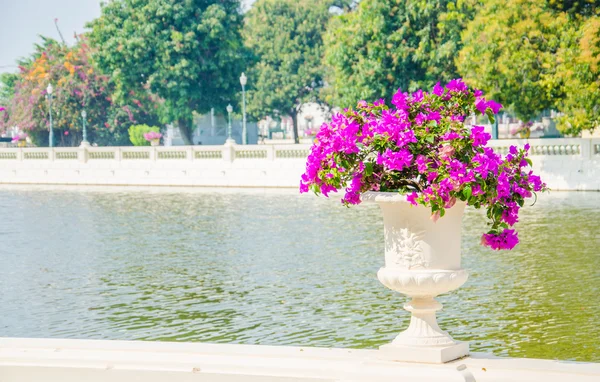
<point>295,125</point>
<point>186,132</point>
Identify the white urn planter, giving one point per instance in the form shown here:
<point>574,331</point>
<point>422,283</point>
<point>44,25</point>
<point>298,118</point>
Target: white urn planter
<point>155,142</point>
<point>422,261</point>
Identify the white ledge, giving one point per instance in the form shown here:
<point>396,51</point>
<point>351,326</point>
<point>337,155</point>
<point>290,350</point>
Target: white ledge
<point>116,361</point>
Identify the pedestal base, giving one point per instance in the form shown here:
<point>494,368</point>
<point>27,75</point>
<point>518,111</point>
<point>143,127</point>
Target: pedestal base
<point>438,354</point>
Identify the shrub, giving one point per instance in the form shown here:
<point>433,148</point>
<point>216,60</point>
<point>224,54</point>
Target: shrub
<point>136,134</point>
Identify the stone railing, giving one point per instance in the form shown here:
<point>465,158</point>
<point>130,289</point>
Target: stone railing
<point>564,164</point>
<point>571,147</point>
<point>171,153</point>
<point>576,147</point>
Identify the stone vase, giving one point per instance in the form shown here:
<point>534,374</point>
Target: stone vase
<point>155,142</point>
<point>422,261</point>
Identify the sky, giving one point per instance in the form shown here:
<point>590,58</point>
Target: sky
<point>22,21</point>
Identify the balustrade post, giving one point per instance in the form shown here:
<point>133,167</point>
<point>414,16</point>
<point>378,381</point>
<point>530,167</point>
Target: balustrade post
<point>270,152</point>
<point>51,154</point>
<point>228,151</point>
<point>153,153</point>
<point>118,154</point>
<point>20,154</point>
<point>586,148</point>
<point>190,153</point>
<point>82,154</point>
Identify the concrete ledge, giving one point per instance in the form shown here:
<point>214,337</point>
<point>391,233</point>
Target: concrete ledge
<point>126,361</point>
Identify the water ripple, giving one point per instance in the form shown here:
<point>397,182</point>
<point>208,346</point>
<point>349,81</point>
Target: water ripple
<point>280,269</point>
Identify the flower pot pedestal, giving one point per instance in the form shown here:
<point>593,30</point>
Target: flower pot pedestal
<point>155,142</point>
<point>422,261</point>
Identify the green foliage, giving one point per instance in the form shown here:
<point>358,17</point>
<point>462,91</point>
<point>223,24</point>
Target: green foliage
<point>286,39</point>
<point>384,45</point>
<point>136,134</point>
<point>575,82</point>
<point>576,7</point>
<point>7,87</point>
<point>188,53</point>
<point>508,48</point>
<point>532,56</point>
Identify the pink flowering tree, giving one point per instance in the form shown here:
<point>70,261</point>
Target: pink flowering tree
<point>78,85</point>
<point>420,147</point>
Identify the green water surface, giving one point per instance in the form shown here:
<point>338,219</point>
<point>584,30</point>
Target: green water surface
<point>276,268</point>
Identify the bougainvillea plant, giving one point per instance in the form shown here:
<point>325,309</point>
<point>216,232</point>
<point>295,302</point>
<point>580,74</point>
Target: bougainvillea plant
<point>152,135</point>
<point>19,137</point>
<point>421,147</point>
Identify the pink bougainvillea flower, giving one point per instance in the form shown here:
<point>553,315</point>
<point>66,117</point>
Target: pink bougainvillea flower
<point>507,239</point>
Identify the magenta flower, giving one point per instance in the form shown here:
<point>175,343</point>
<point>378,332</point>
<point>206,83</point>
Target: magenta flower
<point>438,90</point>
<point>450,136</point>
<point>399,100</point>
<point>479,136</point>
<point>395,160</point>
<point>507,239</point>
<point>152,135</point>
<point>19,137</point>
<point>412,198</point>
<point>457,86</point>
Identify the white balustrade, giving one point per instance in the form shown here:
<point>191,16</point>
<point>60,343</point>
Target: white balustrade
<point>563,163</point>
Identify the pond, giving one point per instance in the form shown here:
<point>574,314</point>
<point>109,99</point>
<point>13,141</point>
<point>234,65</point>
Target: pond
<point>277,268</point>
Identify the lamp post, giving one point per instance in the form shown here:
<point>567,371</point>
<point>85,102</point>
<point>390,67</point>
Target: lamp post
<point>243,81</point>
<point>229,138</point>
<point>51,136</point>
<point>84,142</point>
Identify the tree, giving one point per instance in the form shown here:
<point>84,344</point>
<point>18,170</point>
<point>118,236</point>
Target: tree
<point>575,80</point>
<point>576,7</point>
<point>286,38</point>
<point>384,45</point>
<point>77,85</point>
<point>509,48</point>
<point>188,53</point>
<point>7,87</point>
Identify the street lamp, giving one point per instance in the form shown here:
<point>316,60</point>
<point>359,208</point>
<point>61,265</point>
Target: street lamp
<point>51,136</point>
<point>229,139</point>
<point>243,81</point>
<point>84,142</point>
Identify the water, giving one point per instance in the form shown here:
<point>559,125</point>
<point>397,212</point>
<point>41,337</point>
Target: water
<point>281,269</point>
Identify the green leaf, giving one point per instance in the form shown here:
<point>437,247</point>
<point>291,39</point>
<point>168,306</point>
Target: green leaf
<point>368,168</point>
<point>467,192</point>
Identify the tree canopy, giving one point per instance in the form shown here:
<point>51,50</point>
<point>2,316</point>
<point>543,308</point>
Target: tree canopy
<point>77,86</point>
<point>384,45</point>
<point>575,80</point>
<point>286,39</point>
<point>188,53</point>
<point>508,48</point>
